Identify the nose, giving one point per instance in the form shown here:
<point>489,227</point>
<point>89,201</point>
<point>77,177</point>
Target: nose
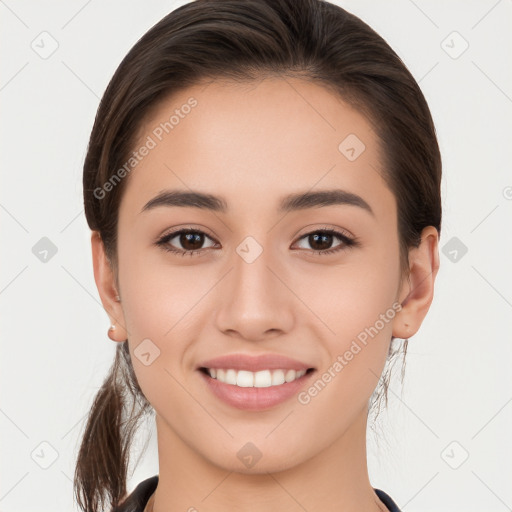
<point>255,303</point>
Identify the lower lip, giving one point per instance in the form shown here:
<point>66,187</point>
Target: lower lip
<point>255,399</point>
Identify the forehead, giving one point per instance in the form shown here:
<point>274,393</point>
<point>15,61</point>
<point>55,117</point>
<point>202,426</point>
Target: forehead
<point>260,139</point>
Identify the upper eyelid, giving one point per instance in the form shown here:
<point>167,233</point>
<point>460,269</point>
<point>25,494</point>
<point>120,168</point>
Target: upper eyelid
<point>328,227</point>
<point>173,233</point>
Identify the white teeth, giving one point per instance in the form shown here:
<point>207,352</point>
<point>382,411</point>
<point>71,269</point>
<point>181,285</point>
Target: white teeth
<point>290,375</point>
<point>261,379</point>
<point>244,379</point>
<point>278,377</point>
<point>230,377</point>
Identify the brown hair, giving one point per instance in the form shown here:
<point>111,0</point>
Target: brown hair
<point>243,40</point>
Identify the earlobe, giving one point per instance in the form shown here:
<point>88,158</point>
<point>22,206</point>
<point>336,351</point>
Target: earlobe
<point>106,285</point>
<point>418,290</point>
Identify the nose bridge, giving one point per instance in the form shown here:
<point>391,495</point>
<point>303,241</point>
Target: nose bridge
<point>251,269</point>
<point>255,301</point>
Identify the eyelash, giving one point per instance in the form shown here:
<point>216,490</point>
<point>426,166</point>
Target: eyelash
<point>347,242</point>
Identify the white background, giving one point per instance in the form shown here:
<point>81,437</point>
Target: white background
<point>55,350</point>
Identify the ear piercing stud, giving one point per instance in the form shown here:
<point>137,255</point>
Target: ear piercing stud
<point>111,332</point>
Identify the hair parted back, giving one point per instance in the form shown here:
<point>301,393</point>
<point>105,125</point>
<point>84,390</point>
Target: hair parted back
<point>243,40</point>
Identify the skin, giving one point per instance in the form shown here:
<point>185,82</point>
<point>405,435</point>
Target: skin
<point>252,144</point>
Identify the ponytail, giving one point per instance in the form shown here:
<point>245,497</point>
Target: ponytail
<point>102,462</point>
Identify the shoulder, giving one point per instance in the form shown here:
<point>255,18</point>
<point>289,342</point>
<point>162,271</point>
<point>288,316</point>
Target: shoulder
<point>137,500</point>
<point>386,499</point>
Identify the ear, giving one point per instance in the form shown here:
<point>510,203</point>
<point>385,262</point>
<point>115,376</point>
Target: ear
<point>107,288</point>
<point>417,291</point>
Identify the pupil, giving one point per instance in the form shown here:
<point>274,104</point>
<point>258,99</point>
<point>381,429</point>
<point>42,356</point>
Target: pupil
<point>317,239</point>
<point>188,240</point>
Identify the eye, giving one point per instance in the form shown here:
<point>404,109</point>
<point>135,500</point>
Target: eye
<point>190,240</point>
<point>321,241</point>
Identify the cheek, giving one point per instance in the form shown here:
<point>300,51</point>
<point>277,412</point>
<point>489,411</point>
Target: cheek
<point>359,311</point>
<point>158,298</point>
<point>356,295</point>
<point>167,305</point>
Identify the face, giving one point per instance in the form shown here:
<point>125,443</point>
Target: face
<point>265,266</point>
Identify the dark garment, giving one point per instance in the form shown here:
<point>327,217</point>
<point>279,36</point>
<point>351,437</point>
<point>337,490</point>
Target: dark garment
<point>140,496</point>
<point>390,504</point>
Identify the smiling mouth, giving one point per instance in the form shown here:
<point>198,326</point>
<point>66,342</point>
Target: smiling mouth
<point>259,379</point>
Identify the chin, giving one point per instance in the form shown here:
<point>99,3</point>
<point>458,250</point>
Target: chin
<point>260,465</point>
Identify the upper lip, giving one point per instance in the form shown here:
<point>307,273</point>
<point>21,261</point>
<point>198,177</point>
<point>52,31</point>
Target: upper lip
<point>254,363</point>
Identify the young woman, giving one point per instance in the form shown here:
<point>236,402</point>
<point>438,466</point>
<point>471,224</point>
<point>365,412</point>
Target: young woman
<point>263,188</point>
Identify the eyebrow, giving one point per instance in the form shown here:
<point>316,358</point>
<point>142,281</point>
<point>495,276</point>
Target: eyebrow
<point>291,202</point>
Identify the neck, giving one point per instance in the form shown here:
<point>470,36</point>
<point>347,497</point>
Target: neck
<point>333,480</point>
